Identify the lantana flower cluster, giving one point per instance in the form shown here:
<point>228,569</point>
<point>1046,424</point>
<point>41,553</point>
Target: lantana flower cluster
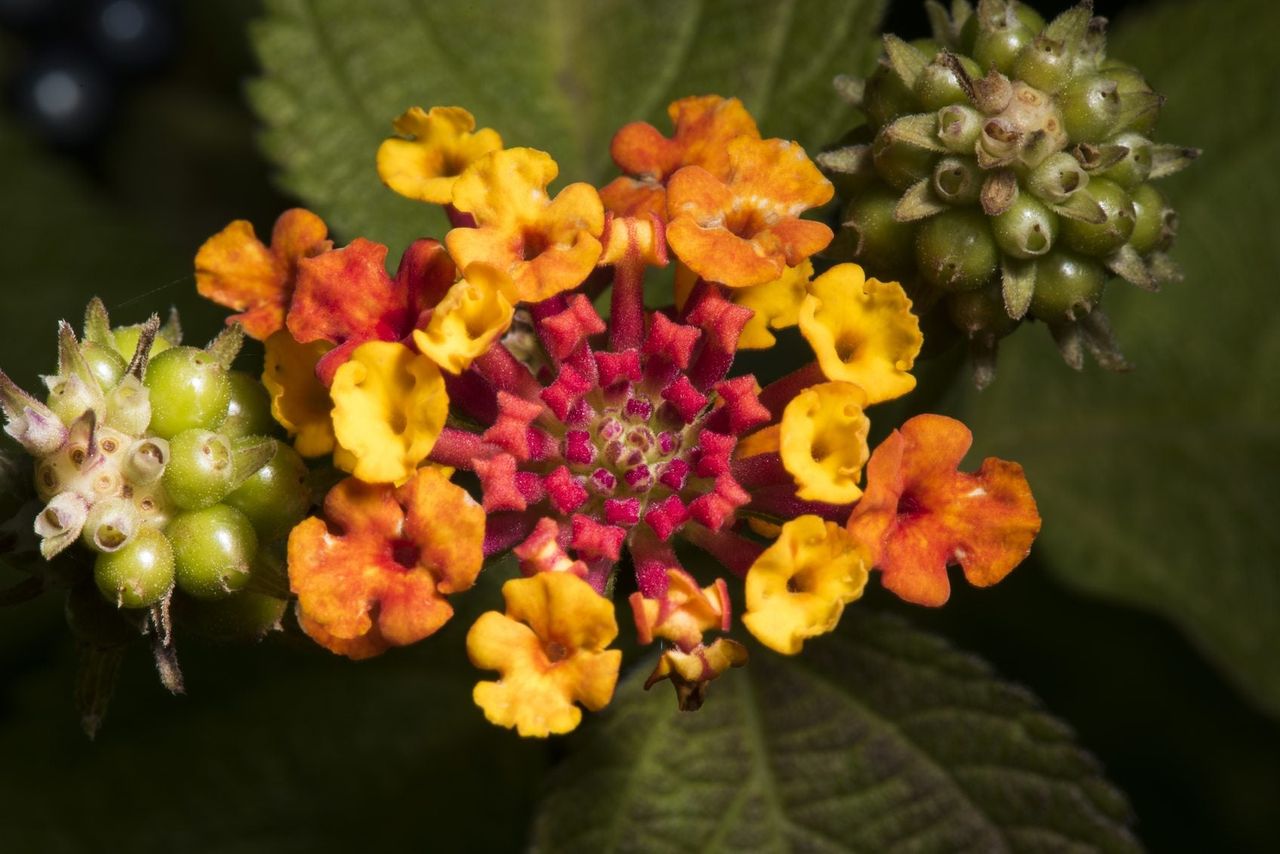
<point>507,391</point>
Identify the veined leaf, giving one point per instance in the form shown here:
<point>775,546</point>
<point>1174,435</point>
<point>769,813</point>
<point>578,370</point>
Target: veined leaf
<point>560,75</point>
<point>879,738</point>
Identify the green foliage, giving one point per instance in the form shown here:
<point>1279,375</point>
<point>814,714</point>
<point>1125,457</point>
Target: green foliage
<point>561,75</point>
<point>879,738</point>
<point>277,751</point>
<point>1157,487</point>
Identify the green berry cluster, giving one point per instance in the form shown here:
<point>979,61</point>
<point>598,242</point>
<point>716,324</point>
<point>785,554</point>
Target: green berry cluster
<point>159,459</point>
<point>1004,174</point>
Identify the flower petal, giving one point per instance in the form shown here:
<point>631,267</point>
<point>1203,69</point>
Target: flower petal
<point>798,587</point>
<point>823,442</point>
<point>434,148</point>
<point>862,331</point>
<point>389,407</point>
<point>920,514</point>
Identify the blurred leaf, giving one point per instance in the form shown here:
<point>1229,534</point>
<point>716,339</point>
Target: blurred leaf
<point>561,75</point>
<point>880,738</point>
<point>1157,487</point>
<point>274,750</point>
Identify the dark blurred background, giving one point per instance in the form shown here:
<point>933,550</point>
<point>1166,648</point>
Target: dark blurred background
<point>125,141</point>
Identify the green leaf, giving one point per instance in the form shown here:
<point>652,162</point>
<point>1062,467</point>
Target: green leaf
<point>1157,487</point>
<point>879,738</point>
<point>560,75</point>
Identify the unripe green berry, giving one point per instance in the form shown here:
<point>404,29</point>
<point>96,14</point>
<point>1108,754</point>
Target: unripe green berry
<point>1027,229</point>
<point>1057,178</point>
<point>898,163</point>
<point>956,251</point>
<point>938,86</point>
<point>104,362</point>
<point>1043,64</point>
<point>1090,108</point>
<point>957,180</point>
<point>886,97</point>
<point>1105,237</point>
<point>1151,214</point>
<point>125,339</point>
<point>275,497</point>
<point>1135,167</point>
<point>244,616</point>
<point>998,47</point>
<point>981,312</point>
<point>139,574</point>
<point>213,549</point>
<point>200,470</point>
<point>1130,82</point>
<point>249,408</point>
<point>110,525</point>
<point>958,127</point>
<point>189,388</point>
<point>1068,286</point>
<point>883,243</point>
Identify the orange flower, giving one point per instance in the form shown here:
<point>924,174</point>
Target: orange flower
<point>378,578</point>
<point>433,149</point>
<point>745,229</point>
<point>704,126</point>
<point>234,268</point>
<point>550,649</point>
<point>345,297</point>
<point>545,245</point>
<point>920,514</point>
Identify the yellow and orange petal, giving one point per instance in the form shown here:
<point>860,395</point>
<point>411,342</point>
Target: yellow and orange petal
<point>346,297</point>
<point>920,514</point>
<point>683,612</point>
<point>432,149</point>
<point>544,245</point>
<point>823,442</point>
<point>471,317</point>
<point>299,401</point>
<point>798,587</point>
<point>745,229</point>
<point>373,572</point>
<point>236,269</point>
<point>704,127</point>
<point>389,406</point>
<point>862,331</point>
<point>550,650</point>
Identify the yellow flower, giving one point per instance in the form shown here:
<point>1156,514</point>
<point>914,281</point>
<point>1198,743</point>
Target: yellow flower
<point>798,587</point>
<point>389,406</point>
<point>433,149</point>
<point>823,442</point>
<point>545,245</point>
<point>473,314</point>
<point>299,401</point>
<point>862,331</point>
<point>550,651</point>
